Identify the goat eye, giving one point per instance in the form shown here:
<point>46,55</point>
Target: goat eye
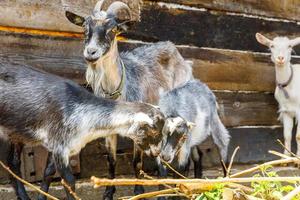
<point>290,46</point>
<point>272,46</point>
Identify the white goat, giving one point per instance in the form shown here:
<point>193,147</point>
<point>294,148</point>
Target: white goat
<point>287,84</point>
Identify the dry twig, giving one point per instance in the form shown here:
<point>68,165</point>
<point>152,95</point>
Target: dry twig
<point>123,182</point>
<point>166,185</point>
<point>292,194</point>
<point>26,183</point>
<point>231,161</point>
<point>296,156</point>
<point>64,183</point>
<point>174,170</point>
<point>153,194</point>
<point>275,162</point>
<point>279,154</point>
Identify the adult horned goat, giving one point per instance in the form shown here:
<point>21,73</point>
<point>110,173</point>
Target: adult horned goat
<point>37,107</point>
<point>136,75</point>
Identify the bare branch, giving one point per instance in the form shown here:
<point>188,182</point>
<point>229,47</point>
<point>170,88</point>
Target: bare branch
<point>27,183</point>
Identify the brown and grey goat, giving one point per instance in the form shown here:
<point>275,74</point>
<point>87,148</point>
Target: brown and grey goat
<point>37,107</point>
<point>136,75</point>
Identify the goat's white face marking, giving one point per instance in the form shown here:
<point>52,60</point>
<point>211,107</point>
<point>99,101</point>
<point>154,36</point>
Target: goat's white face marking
<point>281,48</point>
<point>281,51</point>
<point>175,132</point>
<point>172,123</point>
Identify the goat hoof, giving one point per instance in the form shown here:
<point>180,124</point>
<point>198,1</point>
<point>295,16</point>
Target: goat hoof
<point>138,189</point>
<point>26,198</point>
<point>161,198</point>
<point>108,196</point>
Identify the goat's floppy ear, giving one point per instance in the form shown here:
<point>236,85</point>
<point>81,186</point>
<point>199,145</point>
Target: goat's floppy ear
<point>262,39</point>
<point>165,129</point>
<point>295,42</point>
<point>75,19</point>
<point>190,125</point>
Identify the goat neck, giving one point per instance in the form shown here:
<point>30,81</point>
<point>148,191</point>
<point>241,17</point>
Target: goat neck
<point>106,73</point>
<point>283,73</point>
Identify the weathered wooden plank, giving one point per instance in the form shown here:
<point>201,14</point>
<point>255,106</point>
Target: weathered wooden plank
<point>288,9</point>
<point>61,56</point>
<point>49,15</point>
<point>246,109</point>
<point>183,26</point>
<point>220,69</point>
<point>34,159</point>
<point>232,70</point>
<point>208,29</point>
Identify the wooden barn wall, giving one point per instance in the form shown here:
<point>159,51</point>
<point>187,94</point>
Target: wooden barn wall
<point>218,36</point>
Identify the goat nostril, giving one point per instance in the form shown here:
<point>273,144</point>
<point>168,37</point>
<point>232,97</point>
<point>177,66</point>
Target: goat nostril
<point>91,51</point>
<point>280,58</point>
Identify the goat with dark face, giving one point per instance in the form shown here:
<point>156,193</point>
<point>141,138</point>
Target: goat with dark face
<point>136,75</point>
<point>191,112</point>
<point>37,107</point>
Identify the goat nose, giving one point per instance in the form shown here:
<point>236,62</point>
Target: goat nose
<point>166,158</point>
<point>91,51</point>
<point>280,58</point>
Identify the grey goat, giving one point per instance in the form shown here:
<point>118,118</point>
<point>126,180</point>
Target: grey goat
<point>136,75</point>
<point>37,107</point>
<point>191,117</point>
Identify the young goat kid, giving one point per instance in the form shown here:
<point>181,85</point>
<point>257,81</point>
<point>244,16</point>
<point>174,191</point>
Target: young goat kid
<point>287,85</point>
<point>136,75</point>
<point>36,107</point>
<point>191,116</point>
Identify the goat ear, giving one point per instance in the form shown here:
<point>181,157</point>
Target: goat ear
<point>262,39</point>
<point>75,19</point>
<point>295,42</point>
<point>165,130</point>
<point>190,125</point>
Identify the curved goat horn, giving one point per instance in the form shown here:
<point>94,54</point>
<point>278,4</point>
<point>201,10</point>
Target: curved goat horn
<point>98,6</point>
<point>117,6</point>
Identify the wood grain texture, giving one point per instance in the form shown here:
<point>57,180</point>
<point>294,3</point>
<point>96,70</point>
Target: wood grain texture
<point>246,109</point>
<point>50,15</point>
<point>36,14</point>
<point>287,9</point>
<point>207,29</point>
<point>220,69</point>
<point>61,56</point>
<point>189,27</point>
<point>34,160</point>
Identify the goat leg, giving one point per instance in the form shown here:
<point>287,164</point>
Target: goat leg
<point>298,137</point>
<point>111,145</point>
<point>197,159</point>
<point>66,174</point>
<point>14,163</point>
<point>288,123</point>
<point>162,173</point>
<point>137,166</point>
<point>48,176</point>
